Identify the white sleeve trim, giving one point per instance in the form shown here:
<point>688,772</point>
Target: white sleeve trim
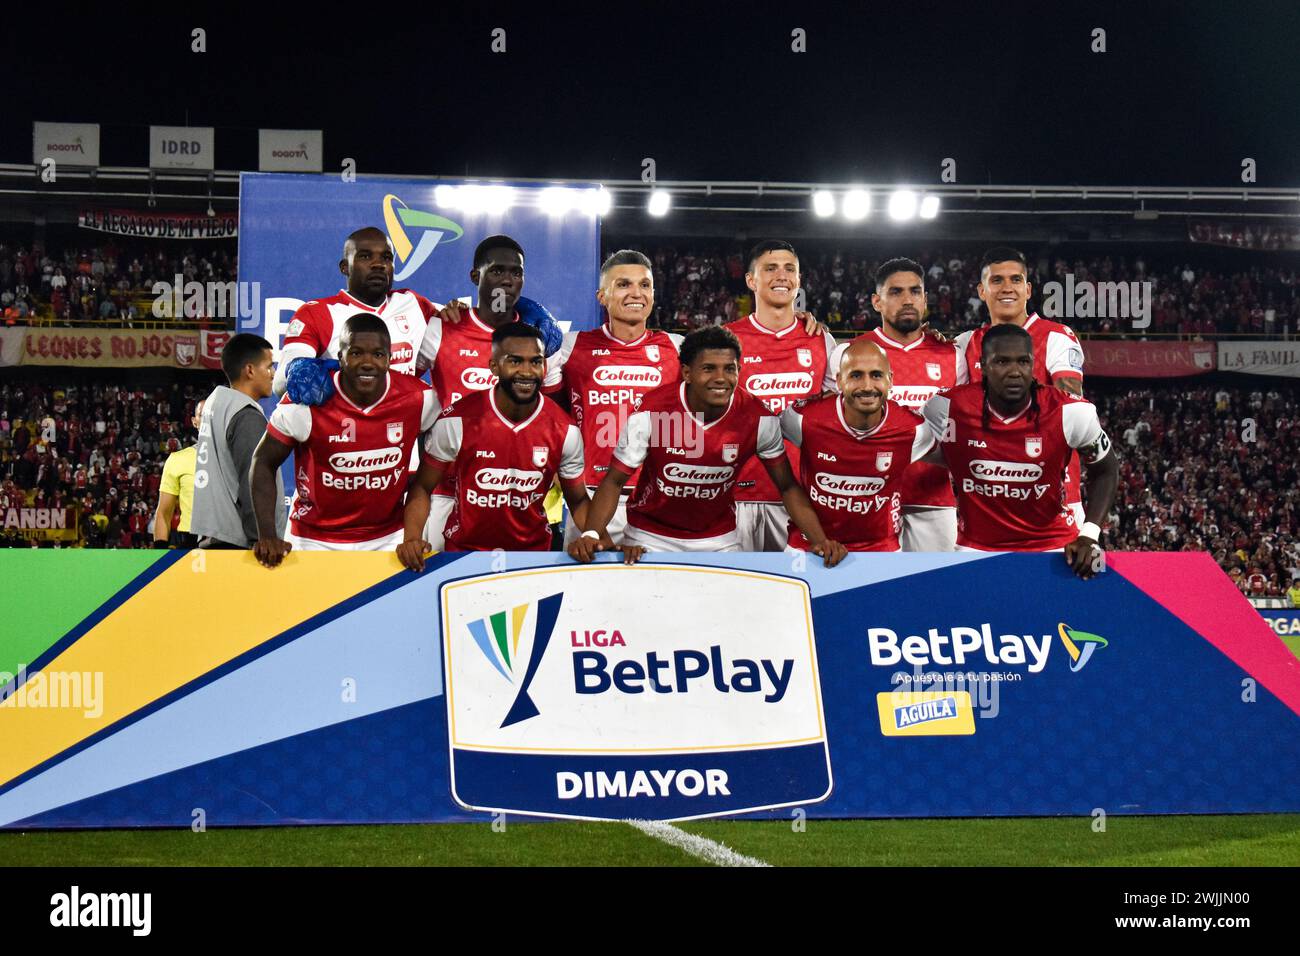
<point>572,461</point>
<point>792,426</point>
<point>292,420</point>
<point>1082,428</point>
<point>676,338</point>
<point>922,441</point>
<point>431,410</point>
<point>832,366</point>
<point>935,412</point>
<point>429,345</point>
<point>963,367</point>
<point>770,443</point>
<point>555,364</point>
<point>1064,354</point>
<point>444,439</point>
<point>634,443</point>
<point>837,359</point>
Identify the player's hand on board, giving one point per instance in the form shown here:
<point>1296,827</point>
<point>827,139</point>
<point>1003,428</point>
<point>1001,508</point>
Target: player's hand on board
<point>271,551</point>
<point>1083,556</point>
<point>585,547</point>
<point>411,553</point>
<point>810,324</point>
<point>832,551</point>
<point>632,553</point>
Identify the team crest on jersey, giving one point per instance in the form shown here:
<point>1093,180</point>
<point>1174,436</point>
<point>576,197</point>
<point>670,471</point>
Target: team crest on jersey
<point>883,460</point>
<point>652,352</point>
<point>394,432</point>
<point>1033,447</point>
<point>402,323</point>
<point>730,452</point>
<point>540,454</point>
<point>295,328</point>
<point>805,357</point>
<point>934,371</point>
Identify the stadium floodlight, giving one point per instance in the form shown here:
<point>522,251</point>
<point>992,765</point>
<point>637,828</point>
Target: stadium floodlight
<point>489,200</point>
<point>902,204</point>
<point>447,197</point>
<point>596,202</point>
<point>929,206</point>
<point>557,200</point>
<point>856,204</point>
<point>823,202</point>
<point>659,202</point>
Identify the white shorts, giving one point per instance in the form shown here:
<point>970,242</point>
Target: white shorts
<point>762,525</point>
<point>388,542</point>
<point>439,512</point>
<point>929,529</point>
<point>661,542</point>
<point>615,526</point>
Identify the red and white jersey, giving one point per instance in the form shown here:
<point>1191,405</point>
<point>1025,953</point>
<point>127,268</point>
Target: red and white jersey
<point>778,368</point>
<point>503,470</point>
<point>1010,476</point>
<point>605,380</point>
<point>1057,355</point>
<point>689,469</point>
<point>316,326</point>
<point>854,478</point>
<point>919,370</point>
<point>351,462</point>
<point>457,355</point>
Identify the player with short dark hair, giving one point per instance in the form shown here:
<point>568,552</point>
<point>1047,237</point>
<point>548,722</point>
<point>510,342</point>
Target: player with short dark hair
<point>787,357</point>
<point>504,447</point>
<point>1007,442</point>
<point>691,439</point>
<point>603,374</point>
<point>351,453</point>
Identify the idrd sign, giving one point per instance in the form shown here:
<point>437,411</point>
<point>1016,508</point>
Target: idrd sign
<point>657,692</point>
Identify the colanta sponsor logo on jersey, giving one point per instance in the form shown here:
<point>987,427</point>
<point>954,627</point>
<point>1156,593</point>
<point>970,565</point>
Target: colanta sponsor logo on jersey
<point>427,229</point>
<point>912,396</point>
<point>967,645</point>
<point>401,353</point>
<point>508,479</point>
<point>1005,470</point>
<point>852,494</point>
<point>697,474</point>
<point>779,383</point>
<point>477,378</point>
<point>359,462</point>
<point>850,485</point>
<point>1014,480</point>
<point>627,376</point>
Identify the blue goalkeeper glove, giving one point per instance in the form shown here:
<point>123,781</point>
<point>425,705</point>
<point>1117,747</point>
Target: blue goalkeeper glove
<point>310,381</point>
<point>536,315</point>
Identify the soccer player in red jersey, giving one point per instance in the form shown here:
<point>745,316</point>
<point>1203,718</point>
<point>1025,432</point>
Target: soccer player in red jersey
<point>920,363</point>
<point>1007,442</point>
<point>505,446</point>
<point>1058,356</point>
<point>856,449</point>
<point>351,453</point>
<point>317,326</point>
<point>603,374</point>
<point>691,439</point>
<point>786,357</point>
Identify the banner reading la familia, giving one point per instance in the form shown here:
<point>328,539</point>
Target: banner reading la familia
<point>340,688</point>
<point>292,229</point>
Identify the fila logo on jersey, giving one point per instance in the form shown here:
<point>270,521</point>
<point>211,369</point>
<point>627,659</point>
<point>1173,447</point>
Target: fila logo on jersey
<point>883,460</point>
<point>976,443</point>
<point>1033,447</point>
<point>747,359</point>
<point>473,352</point>
<point>600,351</point>
<point>822,456</point>
<point>485,453</point>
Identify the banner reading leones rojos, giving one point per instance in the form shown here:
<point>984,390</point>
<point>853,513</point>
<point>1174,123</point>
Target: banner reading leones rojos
<point>114,348</point>
<point>1147,359</point>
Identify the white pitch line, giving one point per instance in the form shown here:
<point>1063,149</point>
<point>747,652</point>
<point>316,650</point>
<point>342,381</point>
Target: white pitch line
<point>708,850</point>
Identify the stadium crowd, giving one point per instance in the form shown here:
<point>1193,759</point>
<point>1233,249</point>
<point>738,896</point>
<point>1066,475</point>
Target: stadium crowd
<point>101,283</point>
<point>697,288</point>
<point>97,447</point>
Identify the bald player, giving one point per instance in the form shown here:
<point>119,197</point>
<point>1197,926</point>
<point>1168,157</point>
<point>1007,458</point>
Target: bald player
<point>855,448</point>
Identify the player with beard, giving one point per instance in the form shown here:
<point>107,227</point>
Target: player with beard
<point>921,363</point>
<point>351,453</point>
<point>787,357</point>
<point>690,439</point>
<point>856,449</point>
<point>602,374</point>
<point>1058,357</point>
<point>1007,442</point>
<point>505,446</point>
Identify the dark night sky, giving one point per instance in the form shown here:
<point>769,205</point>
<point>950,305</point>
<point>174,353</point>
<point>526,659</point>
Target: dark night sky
<point>885,92</point>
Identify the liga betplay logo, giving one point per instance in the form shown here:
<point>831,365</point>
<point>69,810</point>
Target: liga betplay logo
<point>500,645</point>
<point>1071,639</point>
<point>397,217</point>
